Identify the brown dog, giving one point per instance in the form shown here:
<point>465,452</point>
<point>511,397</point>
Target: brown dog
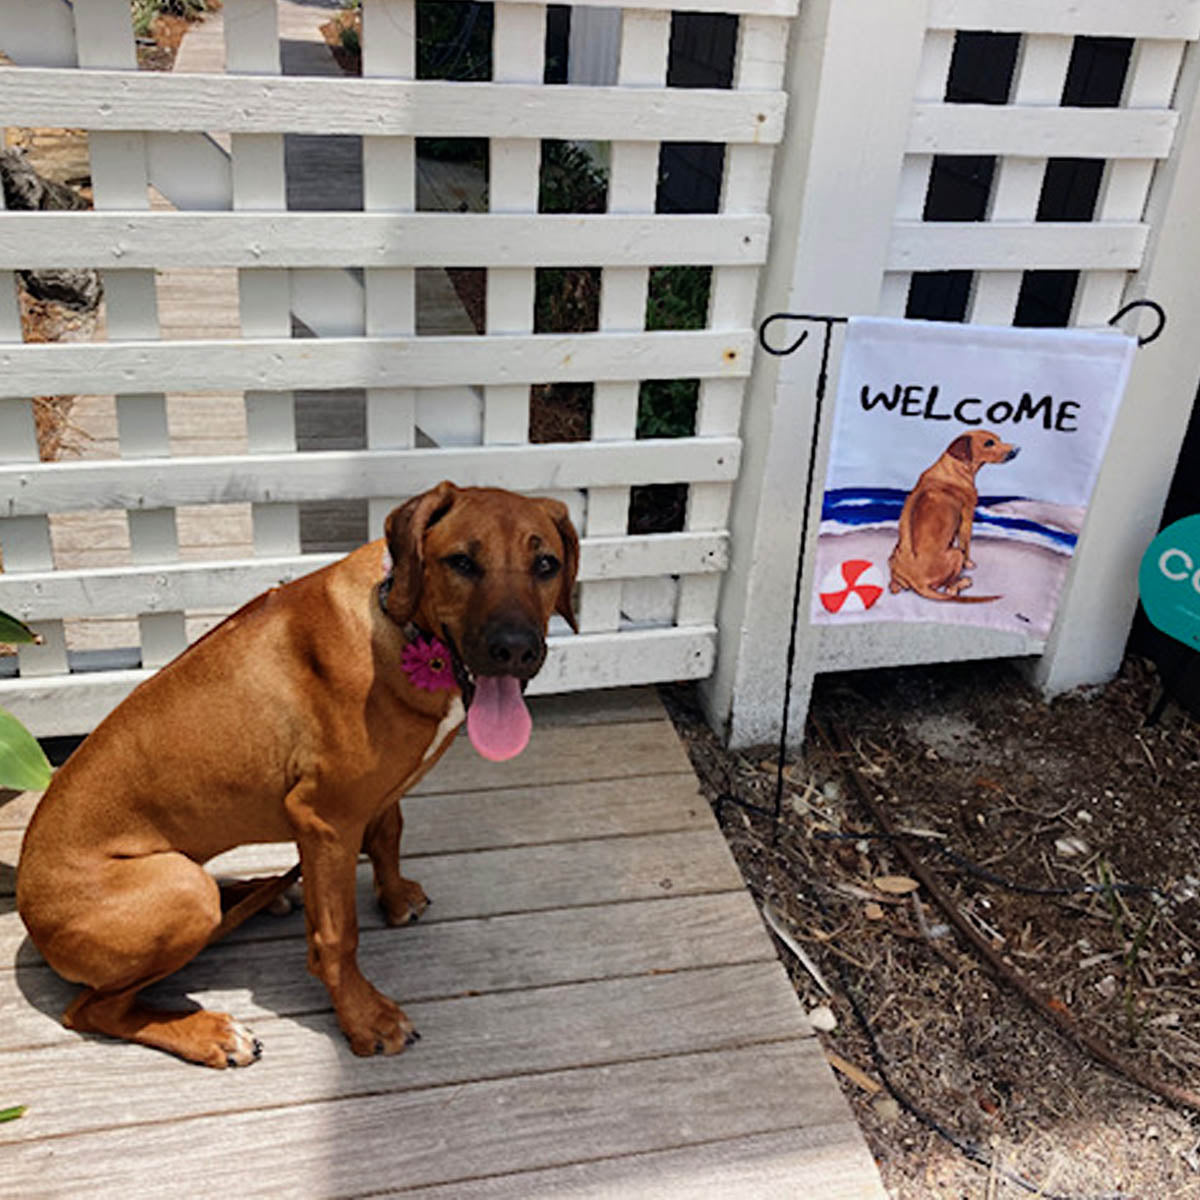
<point>938,510</point>
<point>304,716</point>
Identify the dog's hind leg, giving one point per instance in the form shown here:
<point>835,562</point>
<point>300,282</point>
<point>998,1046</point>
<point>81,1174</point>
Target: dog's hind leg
<point>146,917</point>
<point>402,900</point>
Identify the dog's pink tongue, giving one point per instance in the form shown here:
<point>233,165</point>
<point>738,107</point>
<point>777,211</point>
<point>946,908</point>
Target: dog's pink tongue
<point>498,723</point>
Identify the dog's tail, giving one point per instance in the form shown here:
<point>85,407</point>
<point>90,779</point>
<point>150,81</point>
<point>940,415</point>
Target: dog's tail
<point>956,598</point>
<point>255,901</point>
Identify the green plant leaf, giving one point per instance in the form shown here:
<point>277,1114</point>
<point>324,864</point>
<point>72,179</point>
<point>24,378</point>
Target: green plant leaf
<point>13,631</point>
<point>23,766</point>
<point>11,1114</point>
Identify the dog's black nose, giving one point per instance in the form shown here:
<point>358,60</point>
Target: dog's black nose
<point>1012,454</point>
<point>514,649</point>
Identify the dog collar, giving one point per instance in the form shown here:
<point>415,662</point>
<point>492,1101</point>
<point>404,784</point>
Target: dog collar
<point>431,664</point>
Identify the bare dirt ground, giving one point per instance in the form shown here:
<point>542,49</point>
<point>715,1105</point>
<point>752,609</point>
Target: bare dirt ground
<point>1066,797</point>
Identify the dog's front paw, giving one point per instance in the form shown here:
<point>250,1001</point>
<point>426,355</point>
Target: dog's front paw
<point>403,904</point>
<point>217,1040</point>
<point>378,1026</point>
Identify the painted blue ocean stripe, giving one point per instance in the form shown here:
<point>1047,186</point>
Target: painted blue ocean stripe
<point>877,506</point>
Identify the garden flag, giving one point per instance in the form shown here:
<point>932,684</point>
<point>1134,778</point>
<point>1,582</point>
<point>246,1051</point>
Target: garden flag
<point>961,467</point>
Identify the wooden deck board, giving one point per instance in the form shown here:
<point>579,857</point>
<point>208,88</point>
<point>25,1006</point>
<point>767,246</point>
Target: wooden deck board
<point>494,883</point>
<point>411,1138</point>
<point>601,1008</point>
<point>477,1037</point>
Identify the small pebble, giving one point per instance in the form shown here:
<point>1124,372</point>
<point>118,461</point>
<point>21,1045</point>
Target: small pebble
<point>1070,847</point>
<point>822,1019</point>
<point>886,1108</point>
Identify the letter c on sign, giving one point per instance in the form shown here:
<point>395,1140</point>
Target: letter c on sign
<point>1175,553</point>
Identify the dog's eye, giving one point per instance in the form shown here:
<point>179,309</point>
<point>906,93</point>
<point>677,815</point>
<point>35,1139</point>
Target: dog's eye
<point>546,566</point>
<point>464,565</point>
<point>990,442</point>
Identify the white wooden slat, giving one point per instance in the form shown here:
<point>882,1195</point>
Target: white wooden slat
<point>766,8</point>
<point>38,34</point>
<point>1123,191</point>
<point>632,186</point>
<point>1016,245</point>
<point>390,239</point>
<point>113,591</point>
<point>120,181</point>
<point>110,100</point>
<point>1097,296</point>
<point>251,38</point>
<point>18,433</point>
<point>389,185</point>
<point>914,175</point>
<point>60,705</point>
<point>1033,130</point>
<point>1038,80</point>
<point>103,36</point>
<point>745,187</point>
<point>1149,83</point>
<point>518,41</point>
<point>264,295</point>
<point>1152,74</point>
<point>1096,18</point>
<point>28,490</point>
<point>274,364</point>
<point>191,170</point>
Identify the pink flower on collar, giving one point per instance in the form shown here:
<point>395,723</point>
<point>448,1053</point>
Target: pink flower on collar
<point>428,665</point>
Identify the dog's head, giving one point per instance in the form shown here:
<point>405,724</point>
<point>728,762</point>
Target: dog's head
<point>981,446</point>
<point>483,569</point>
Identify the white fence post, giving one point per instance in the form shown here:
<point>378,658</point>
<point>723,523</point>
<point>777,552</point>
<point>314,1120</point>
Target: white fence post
<point>1089,636</point>
<point>852,71</point>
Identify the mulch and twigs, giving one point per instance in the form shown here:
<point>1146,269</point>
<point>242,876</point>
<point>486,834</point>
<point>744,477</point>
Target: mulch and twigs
<point>1049,1007</point>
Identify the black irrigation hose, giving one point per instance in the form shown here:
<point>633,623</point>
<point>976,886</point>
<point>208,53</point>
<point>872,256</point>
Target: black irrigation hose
<point>972,868</point>
<point>967,1148</point>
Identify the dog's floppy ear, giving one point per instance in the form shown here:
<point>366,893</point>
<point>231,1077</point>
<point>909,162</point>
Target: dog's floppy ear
<point>404,530</point>
<point>558,513</point>
<point>960,448</point>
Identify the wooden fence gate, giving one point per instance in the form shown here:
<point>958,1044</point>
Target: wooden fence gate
<point>192,173</point>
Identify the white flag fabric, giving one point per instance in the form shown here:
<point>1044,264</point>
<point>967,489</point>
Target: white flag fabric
<point>962,463</point>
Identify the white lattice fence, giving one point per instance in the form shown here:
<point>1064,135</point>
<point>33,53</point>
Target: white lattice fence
<point>214,145</point>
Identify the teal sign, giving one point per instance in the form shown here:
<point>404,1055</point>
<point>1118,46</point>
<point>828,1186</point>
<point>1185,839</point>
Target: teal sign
<point>1169,581</point>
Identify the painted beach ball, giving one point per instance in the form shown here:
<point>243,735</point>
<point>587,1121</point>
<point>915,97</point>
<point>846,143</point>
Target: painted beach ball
<point>851,586</point>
